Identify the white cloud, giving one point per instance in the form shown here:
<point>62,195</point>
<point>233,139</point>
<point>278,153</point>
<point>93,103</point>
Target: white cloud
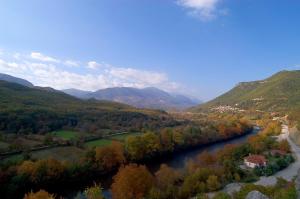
<point>44,58</point>
<point>204,9</point>
<point>17,55</point>
<point>61,77</point>
<point>93,65</point>
<point>133,75</point>
<point>71,63</point>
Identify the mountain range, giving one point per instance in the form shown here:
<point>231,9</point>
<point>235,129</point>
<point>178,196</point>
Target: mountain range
<point>142,98</point>
<point>150,97</point>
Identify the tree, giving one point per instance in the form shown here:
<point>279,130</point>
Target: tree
<point>167,140</point>
<point>195,182</point>
<point>272,128</point>
<point>132,181</point>
<point>94,192</point>
<point>41,194</point>
<point>135,147</point>
<point>26,168</point>
<point>166,176</point>
<point>42,171</point>
<point>206,159</point>
<point>151,143</point>
<point>110,156</point>
<point>178,138</point>
<point>257,143</point>
<point>213,183</point>
<point>284,146</point>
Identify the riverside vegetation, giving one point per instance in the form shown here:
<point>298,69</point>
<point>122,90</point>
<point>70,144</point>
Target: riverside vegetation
<point>208,172</point>
<point>49,173</point>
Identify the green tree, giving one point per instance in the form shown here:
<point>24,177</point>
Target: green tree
<point>135,147</point>
<point>151,143</point>
<point>213,183</point>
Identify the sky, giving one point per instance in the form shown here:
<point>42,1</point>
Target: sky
<point>200,48</point>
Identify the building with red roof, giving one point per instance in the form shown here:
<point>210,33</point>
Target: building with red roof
<point>253,161</point>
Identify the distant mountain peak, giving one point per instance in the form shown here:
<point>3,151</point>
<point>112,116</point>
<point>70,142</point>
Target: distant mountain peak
<point>12,79</point>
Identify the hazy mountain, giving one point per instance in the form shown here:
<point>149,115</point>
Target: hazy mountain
<point>280,92</point>
<point>17,80</point>
<point>77,93</point>
<point>143,98</point>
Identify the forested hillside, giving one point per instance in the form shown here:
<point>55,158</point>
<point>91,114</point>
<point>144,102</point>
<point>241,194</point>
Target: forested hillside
<point>37,110</point>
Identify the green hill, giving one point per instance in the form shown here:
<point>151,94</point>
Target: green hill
<point>280,92</point>
<point>39,110</point>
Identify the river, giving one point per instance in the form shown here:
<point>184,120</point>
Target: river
<point>176,161</point>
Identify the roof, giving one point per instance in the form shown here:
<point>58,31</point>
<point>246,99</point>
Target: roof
<point>256,159</point>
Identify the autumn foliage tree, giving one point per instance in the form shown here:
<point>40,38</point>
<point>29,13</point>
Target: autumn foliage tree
<point>166,179</point>
<point>206,159</point>
<point>132,181</point>
<point>41,194</point>
<point>166,176</point>
<point>284,146</point>
<point>42,171</point>
<point>110,156</point>
<point>272,128</point>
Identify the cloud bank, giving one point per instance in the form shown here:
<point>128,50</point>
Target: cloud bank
<point>43,70</point>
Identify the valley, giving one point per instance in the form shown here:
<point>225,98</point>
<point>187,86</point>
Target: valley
<point>94,141</point>
<point>167,99</point>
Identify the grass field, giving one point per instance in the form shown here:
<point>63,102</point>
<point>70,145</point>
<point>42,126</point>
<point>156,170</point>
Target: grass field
<point>122,137</point>
<point>67,135</point>
<point>100,142</point>
<point>13,158</point>
<point>69,153</point>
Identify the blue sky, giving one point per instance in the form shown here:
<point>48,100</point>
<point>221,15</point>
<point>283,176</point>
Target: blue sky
<point>197,47</point>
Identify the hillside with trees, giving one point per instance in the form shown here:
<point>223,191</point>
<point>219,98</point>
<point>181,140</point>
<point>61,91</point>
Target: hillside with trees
<point>278,93</point>
<point>27,110</point>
